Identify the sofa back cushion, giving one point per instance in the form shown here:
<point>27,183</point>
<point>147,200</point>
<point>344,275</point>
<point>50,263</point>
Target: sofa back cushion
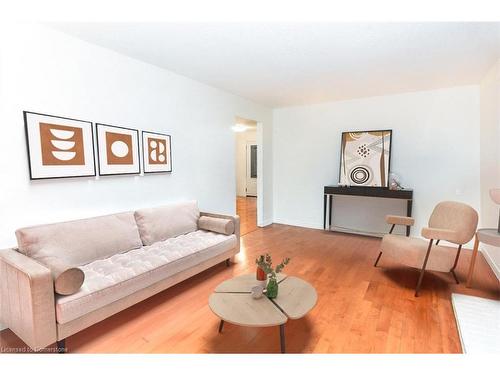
<point>160,223</point>
<point>81,241</point>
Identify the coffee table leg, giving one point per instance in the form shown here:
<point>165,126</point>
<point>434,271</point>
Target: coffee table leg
<point>221,324</point>
<point>282,338</point>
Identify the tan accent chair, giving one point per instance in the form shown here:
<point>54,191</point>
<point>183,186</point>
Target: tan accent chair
<point>450,221</point>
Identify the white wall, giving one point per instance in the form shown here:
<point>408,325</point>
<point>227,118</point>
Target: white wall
<point>435,150</point>
<point>242,139</point>
<point>43,70</point>
<point>490,156</point>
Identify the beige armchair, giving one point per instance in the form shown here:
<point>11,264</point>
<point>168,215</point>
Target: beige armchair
<point>450,221</point>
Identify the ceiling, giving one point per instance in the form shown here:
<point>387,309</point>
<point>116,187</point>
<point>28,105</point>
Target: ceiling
<point>285,64</point>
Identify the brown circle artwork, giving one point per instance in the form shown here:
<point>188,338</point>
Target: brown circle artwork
<point>119,148</point>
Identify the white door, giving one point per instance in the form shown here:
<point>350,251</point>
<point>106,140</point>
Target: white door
<point>251,169</point>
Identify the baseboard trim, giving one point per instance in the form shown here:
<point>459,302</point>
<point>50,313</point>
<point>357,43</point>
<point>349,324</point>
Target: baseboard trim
<point>265,222</point>
<point>298,223</point>
<point>357,231</point>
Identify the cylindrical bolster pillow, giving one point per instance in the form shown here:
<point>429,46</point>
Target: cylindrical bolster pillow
<point>67,280</point>
<point>215,224</point>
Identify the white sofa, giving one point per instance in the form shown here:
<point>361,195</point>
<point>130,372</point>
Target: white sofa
<point>125,258</point>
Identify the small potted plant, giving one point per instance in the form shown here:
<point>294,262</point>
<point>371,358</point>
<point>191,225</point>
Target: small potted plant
<point>265,263</point>
<point>261,274</point>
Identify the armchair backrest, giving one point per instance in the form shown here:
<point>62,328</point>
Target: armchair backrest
<point>458,217</point>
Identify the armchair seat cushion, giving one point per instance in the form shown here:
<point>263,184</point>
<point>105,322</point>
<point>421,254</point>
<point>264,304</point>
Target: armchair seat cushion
<point>411,252</point>
<point>108,280</point>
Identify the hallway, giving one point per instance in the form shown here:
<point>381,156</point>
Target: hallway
<point>246,208</point>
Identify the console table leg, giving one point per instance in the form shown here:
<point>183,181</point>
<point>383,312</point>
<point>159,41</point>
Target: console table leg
<point>221,324</point>
<point>282,338</point>
<point>330,211</point>
<point>324,211</point>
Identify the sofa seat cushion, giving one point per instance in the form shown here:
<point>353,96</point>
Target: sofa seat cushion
<point>108,280</point>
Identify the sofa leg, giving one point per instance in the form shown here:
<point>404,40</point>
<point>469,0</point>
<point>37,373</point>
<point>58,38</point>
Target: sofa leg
<point>228,262</point>
<point>61,346</point>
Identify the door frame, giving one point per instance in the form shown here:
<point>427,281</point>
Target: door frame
<point>260,175</point>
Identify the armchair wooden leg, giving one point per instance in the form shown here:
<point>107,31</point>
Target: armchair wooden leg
<point>455,264</point>
<point>380,254</point>
<point>221,325</point>
<point>472,262</point>
<point>421,277</point>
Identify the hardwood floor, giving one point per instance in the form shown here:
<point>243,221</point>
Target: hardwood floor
<point>361,309</point>
<point>246,208</point>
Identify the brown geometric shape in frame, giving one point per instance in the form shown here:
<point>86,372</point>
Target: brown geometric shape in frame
<point>61,145</point>
<point>157,151</point>
<point>119,148</point>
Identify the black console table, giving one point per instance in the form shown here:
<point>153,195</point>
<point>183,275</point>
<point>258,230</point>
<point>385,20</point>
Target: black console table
<point>364,191</point>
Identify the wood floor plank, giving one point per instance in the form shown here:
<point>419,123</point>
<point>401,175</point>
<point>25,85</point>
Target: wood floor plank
<point>246,207</point>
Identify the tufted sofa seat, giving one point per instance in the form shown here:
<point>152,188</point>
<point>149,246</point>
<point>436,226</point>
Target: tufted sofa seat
<point>122,258</point>
<point>108,280</point>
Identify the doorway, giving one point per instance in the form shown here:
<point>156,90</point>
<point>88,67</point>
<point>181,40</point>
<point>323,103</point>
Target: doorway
<point>246,173</point>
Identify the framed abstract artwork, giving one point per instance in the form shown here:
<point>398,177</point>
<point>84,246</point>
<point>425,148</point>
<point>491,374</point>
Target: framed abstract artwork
<point>365,158</point>
<point>59,147</point>
<point>156,152</point>
<point>117,150</point>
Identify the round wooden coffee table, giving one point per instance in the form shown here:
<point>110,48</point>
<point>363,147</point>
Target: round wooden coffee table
<point>232,302</point>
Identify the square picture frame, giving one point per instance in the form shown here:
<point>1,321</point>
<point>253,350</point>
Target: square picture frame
<point>58,147</point>
<point>365,158</point>
<point>117,150</point>
<point>156,152</point>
